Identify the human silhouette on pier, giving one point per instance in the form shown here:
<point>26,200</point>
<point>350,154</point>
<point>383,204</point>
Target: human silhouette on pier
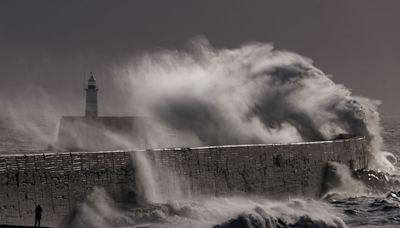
<point>38,215</point>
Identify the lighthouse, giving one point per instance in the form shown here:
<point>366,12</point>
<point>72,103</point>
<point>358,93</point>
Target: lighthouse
<point>91,97</point>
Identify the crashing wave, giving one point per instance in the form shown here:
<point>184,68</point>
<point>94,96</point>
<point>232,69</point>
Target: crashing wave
<point>99,211</point>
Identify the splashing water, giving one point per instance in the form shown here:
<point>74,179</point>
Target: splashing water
<point>208,212</point>
<point>339,180</point>
<point>253,94</point>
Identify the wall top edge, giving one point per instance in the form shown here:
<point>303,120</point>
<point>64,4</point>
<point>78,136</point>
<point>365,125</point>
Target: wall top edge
<point>49,153</point>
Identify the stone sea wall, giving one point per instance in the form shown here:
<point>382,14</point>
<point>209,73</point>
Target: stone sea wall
<point>58,181</point>
<point>275,170</point>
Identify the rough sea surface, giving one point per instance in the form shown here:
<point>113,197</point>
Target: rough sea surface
<point>349,208</point>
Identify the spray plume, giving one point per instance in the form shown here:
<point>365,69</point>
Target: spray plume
<point>252,94</point>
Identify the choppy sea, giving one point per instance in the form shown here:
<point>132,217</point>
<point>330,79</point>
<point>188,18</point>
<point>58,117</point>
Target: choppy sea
<point>339,210</point>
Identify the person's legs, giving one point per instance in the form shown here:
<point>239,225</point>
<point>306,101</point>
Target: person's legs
<point>35,221</point>
<point>39,222</point>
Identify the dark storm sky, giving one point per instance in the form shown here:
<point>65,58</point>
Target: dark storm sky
<point>51,44</point>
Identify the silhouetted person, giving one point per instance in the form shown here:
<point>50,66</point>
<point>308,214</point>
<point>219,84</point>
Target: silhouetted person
<point>38,215</point>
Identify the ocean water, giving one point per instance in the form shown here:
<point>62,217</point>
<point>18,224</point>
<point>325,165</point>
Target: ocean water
<point>391,134</point>
<point>346,208</point>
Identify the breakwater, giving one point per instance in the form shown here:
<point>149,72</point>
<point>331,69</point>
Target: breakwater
<point>58,181</point>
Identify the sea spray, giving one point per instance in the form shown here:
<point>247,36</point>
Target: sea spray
<point>146,185</point>
<point>154,183</point>
<point>339,180</point>
<point>97,211</point>
<point>32,114</point>
<point>205,212</point>
<point>251,94</point>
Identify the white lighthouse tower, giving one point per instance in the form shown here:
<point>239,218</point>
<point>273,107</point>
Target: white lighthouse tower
<point>91,97</point>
